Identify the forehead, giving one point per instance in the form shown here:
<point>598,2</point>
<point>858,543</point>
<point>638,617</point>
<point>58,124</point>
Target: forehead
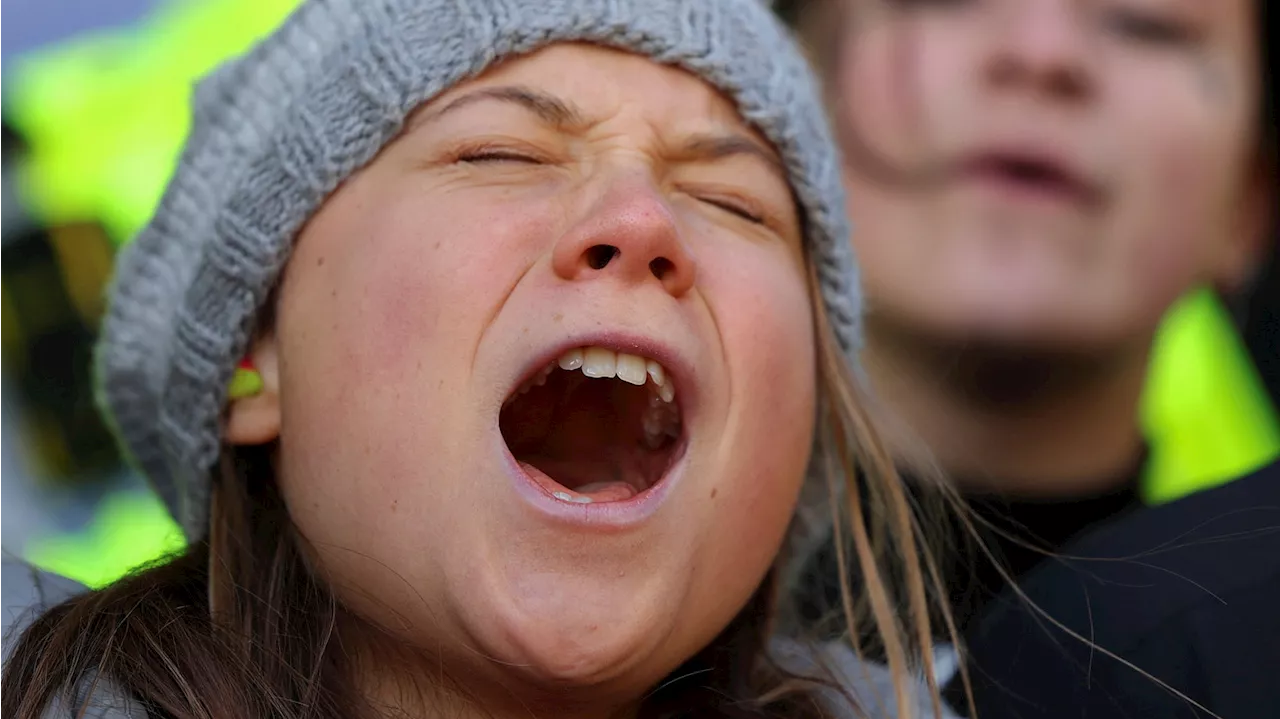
<point>606,84</point>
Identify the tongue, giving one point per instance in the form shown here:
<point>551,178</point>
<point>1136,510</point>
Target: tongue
<point>606,490</point>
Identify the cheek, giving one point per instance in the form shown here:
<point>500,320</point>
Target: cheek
<point>1181,181</point>
<point>900,92</point>
<point>905,101</point>
<point>369,318</point>
<point>762,311</point>
<point>395,294</point>
<point>869,99</point>
<point>381,312</point>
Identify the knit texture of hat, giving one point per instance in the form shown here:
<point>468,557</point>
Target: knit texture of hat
<point>275,131</point>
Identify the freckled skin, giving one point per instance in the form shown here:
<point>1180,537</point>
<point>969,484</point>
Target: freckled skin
<point>445,275</point>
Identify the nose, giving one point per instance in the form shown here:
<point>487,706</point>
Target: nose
<point>631,235</point>
<point>1041,46</point>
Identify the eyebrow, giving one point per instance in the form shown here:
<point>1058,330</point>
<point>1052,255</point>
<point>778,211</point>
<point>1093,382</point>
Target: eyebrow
<point>549,108</point>
<point>562,115</point>
<point>720,147</point>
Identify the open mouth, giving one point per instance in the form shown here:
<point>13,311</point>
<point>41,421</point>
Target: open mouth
<point>595,425</point>
<point>1034,175</point>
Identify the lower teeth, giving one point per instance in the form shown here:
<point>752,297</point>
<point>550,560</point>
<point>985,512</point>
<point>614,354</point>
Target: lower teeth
<point>566,497</point>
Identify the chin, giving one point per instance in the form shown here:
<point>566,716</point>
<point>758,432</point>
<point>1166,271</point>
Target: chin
<point>582,582</point>
<point>559,631</point>
<point>1051,334</point>
<point>1011,314</point>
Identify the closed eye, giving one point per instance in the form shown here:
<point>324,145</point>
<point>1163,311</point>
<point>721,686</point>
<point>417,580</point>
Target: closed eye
<point>1152,29</point>
<point>488,154</point>
<point>735,208</point>
<point>476,158</point>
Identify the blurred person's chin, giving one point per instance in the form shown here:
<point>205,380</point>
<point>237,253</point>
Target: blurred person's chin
<point>988,322</point>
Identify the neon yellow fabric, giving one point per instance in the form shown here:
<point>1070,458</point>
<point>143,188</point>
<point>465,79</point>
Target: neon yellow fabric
<point>129,530</point>
<point>106,115</point>
<point>1205,412</point>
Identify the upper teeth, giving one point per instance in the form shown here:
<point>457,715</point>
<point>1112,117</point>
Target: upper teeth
<point>600,362</point>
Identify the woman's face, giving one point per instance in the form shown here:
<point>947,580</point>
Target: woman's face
<point>541,526</point>
<point>1087,162</point>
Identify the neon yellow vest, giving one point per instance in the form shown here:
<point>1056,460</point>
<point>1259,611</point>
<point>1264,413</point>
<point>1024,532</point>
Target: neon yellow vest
<point>105,115</point>
<point>1205,412</point>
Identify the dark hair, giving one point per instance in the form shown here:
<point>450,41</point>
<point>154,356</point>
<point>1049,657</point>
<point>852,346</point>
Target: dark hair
<point>165,636</point>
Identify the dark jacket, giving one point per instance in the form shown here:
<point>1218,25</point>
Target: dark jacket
<point>1188,592</point>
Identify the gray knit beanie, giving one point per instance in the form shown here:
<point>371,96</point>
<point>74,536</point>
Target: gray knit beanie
<point>277,130</point>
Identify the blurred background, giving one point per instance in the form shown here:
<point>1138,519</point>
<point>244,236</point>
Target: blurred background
<point>95,99</point>
<point>95,96</point>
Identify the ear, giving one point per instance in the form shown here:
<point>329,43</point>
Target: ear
<point>1245,249</point>
<point>256,419</point>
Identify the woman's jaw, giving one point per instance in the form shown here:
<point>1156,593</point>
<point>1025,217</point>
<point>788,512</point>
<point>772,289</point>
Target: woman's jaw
<point>602,505</point>
<point>548,596</point>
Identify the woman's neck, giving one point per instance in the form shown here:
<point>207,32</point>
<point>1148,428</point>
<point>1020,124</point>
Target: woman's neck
<point>1012,421</point>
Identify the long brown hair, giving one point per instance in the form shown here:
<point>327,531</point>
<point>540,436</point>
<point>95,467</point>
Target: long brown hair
<point>239,625</point>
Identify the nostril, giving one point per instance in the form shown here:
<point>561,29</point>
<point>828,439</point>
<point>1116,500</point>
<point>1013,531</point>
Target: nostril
<point>661,267</point>
<point>600,255</point>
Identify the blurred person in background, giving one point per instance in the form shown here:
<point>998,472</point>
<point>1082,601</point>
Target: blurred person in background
<point>379,350</point>
<point>1034,184</point>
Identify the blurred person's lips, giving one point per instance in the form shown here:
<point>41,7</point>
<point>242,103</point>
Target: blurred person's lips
<point>1031,175</point>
